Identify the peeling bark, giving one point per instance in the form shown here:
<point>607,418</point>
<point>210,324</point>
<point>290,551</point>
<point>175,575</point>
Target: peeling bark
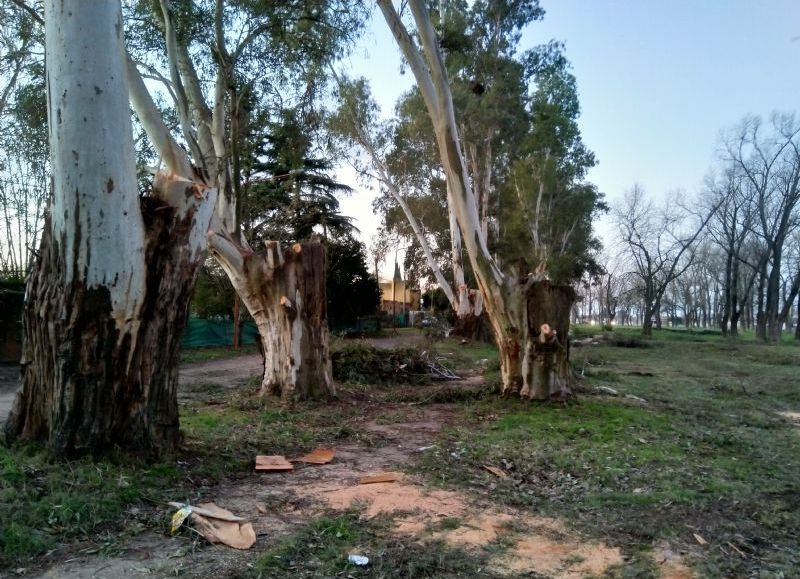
<point>284,291</point>
<point>546,371</point>
<point>108,297</point>
<point>90,384</point>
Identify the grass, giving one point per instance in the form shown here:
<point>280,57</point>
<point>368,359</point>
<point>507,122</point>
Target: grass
<point>707,452</point>
<point>224,439</point>
<point>45,502</point>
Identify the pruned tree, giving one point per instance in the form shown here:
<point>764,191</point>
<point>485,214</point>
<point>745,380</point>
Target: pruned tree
<point>109,294</point>
<point>504,292</point>
<point>250,47</point>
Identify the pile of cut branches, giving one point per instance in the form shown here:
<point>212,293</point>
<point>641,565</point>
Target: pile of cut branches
<point>365,364</point>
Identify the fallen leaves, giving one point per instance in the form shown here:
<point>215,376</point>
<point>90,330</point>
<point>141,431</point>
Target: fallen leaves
<point>700,540</point>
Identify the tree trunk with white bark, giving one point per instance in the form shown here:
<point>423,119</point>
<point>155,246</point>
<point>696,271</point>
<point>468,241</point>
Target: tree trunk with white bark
<point>284,290</point>
<point>503,294</point>
<point>108,299</point>
<point>294,336</point>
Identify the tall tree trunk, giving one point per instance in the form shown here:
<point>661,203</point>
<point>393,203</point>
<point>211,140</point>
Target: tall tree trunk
<point>107,302</point>
<point>761,319</point>
<point>284,291</point>
<point>647,319</point>
<point>503,295</point>
<point>771,313</point>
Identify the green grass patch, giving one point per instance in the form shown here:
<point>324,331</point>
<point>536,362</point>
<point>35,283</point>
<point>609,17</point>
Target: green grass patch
<point>707,452</point>
<point>45,501</point>
<point>224,440</point>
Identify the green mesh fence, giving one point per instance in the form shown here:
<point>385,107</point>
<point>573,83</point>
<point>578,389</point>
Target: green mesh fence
<point>205,333</point>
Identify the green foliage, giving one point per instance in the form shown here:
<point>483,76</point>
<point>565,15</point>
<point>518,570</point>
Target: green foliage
<point>288,193</point>
<point>365,364</point>
<point>213,293</point>
<point>546,201</point>
<point>352,291</point>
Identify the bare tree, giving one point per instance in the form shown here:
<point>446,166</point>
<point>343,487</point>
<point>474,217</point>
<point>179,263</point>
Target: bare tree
<point>660,245</point>
<point>769,168</point>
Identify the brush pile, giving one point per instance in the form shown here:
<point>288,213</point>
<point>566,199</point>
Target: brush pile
<point>365,364</point>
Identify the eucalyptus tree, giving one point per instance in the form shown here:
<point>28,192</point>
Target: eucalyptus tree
<point>216,55</point>
<point>505,290</point>
<point>358,127</point>
<point>107,300</point>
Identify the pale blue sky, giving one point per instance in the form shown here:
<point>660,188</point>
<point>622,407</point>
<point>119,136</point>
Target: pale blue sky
<point>658,81</point>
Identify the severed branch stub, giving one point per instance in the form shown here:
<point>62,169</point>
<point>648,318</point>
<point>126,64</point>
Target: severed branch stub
<point>287,304</point>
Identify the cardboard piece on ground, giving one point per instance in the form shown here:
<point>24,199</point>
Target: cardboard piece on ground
<point>221,530</point>
<point>273,463</point>
<point>499,472</point>
<point>316,456</point>
<point>218,525</point>
<point>384,477</point>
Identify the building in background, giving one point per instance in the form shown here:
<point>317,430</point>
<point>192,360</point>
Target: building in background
<point>397,300</point>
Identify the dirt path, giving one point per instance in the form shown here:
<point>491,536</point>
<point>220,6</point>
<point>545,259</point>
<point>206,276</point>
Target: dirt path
<point>228,373</point>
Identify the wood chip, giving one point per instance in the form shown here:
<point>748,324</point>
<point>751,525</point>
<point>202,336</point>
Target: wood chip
<point>498,472</point>
<point>272,463</point>
<point>262,508</point>
<point>700,540</point>
<point>317,456</point>
<point>385,477</point>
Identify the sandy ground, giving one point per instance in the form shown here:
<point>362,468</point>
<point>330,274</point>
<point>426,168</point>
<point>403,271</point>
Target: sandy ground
<point>539,546</point>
